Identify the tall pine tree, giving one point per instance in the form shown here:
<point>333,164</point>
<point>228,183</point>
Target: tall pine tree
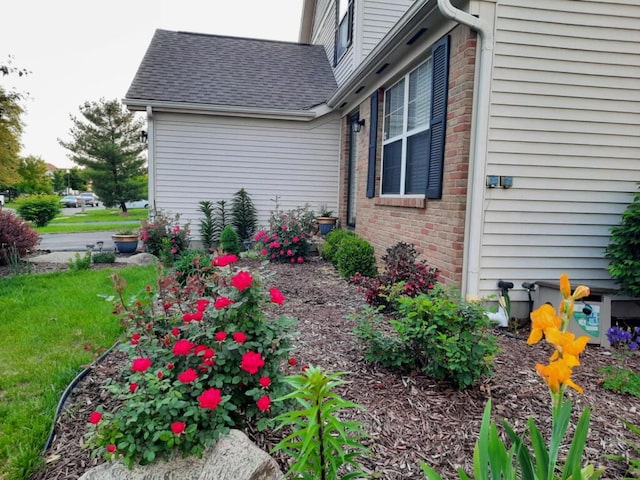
<point>108,142</point>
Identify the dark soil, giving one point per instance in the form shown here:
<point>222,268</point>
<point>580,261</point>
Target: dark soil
<point>409,417</point>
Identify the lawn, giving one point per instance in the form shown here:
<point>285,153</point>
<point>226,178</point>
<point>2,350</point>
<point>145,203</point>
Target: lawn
<point>51,325</point>
<point>96,221</point>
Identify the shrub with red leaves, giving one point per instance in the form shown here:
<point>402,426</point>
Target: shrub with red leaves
<point>403,275</point>
<point>15,236</point>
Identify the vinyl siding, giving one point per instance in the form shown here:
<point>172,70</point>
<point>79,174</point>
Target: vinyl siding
<point>379,17</point>
<point>565,123</point>
<point>201,157</point>
<point>324,21</point>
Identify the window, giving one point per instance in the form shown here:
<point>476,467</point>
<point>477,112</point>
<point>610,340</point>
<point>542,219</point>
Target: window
<point>344,28</point>
<point>405,142</point>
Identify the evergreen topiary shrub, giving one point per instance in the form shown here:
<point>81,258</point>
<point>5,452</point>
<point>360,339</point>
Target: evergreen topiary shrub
<point>229,240</point>
<point>244,214</point>
<point>332,242</point>
<point>209,231</point>
<point>39,209</point>
<point>355,255</point>
<point>623,251</point>
<point>15,236</point>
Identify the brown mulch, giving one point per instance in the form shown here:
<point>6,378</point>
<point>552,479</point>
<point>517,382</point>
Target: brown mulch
<point>409,417</point>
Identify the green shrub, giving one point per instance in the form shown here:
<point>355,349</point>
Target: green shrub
<point>192,263</point>
<point>104,257</point>
<point>164,237</point>
<point>209,232</point>
<point>355,255</point>
<point>332,242</point>
<point>17,238</point>
<point>244,214</point>
<point>623,251</point>
<point>39,209</point>
<point>229,240</point>
<point>439,333</point>
<point>621,380</point>
<point>80,262</point>
<point>288,237</point>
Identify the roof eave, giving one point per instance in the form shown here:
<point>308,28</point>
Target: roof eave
<point>306,21</point>
<point>136,104</point>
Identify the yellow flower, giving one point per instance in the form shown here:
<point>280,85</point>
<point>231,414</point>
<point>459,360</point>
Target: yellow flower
<point>565,286</point>
<point>542,318</point>
<point>567,346</point>
<point>556,374</point>
<point>581,291</point>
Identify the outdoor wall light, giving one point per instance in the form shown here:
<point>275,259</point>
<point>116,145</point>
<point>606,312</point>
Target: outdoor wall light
<point>357,126</point>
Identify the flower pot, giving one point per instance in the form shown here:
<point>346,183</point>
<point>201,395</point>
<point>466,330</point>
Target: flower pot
<point>326,224</point>
<point>125,243</point>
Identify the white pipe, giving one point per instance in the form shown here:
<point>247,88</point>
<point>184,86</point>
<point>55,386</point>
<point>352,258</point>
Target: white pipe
<point>151,160</point>
<point>475,196</point>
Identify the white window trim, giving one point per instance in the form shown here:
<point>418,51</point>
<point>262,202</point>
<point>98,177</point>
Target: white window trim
<point>403,136</point>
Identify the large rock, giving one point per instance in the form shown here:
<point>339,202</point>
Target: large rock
<point>142,259</point>
<point>233,457</point>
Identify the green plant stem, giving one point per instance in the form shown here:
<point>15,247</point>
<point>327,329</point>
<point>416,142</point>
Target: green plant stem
<point>317,401</point>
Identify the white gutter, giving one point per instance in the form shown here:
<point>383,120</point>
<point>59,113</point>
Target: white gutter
<point>151,161</point>
<point>475,196</point>
<point>227,110</point>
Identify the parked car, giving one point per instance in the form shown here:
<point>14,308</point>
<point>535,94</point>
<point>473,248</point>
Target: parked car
<point>90,199</point>
<point>137,204</point>
<point>70,201</point>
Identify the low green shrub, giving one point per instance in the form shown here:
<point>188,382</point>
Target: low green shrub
<point>332,242</point>
<point>104,257</point>
<point>80,262</point>
<point>39,209</point>
<point>192,263</point>
<point>355,255</point>
<point>17,238</point>
<point>622,380</point>
<point>229,240</point>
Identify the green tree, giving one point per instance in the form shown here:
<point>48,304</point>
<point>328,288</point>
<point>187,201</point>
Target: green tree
<point>33,171</point>
<point>10,127</point>
<point>107,141</point>
<point>72,179</point>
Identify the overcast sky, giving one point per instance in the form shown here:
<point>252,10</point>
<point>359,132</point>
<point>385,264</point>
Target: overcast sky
<point>80,50</point>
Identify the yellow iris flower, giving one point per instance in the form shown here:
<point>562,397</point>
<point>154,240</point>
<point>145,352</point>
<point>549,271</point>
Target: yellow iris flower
<point>566,345</point>
<point>557,373</point>
<point>542,318</point>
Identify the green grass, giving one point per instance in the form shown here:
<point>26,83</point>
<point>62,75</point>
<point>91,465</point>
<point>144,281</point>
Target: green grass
<point>89,221</point>
<point>82,227</point>
<point>51,325</point>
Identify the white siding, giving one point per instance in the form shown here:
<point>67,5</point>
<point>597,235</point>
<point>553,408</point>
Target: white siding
<point>565,123</point>
<point>324,26</point>
<point>379,17</point>
<point>200,157</point>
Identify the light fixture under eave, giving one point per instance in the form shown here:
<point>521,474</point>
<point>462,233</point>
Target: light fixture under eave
<point>357,126</point>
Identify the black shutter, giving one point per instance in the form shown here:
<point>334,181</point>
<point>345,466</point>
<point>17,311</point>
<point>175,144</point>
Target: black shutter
<point>439,98</point>
<point>373,146</point>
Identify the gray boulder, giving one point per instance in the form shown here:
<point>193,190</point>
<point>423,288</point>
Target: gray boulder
<point>142,259</point>
<point>233,457</point>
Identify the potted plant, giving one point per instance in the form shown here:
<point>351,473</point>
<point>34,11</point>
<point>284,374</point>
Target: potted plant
<point>126,241</point>
<point>326,220</point>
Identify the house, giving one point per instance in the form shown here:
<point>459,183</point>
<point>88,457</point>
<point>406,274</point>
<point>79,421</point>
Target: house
<point>501,137</point>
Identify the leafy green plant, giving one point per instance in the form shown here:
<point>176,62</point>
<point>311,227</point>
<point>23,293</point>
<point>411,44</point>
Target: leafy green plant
<point>288,237</point>
<point>39,209</point>
<point>79,262</point>
<point>355,255</point>
<point>244,213</point>
<point>209,232</point>
<point>198,365</point>
<point>17,238</point>
<point>633,461</point>
<point>321,444</point>
<point>192,263</point>
<point>104,257</point>
<point>622,380</point>
<point>222,217</point>
<point>165,236</point>
<point>623,251</point>
<point>229,241</point>
<point>332,243</point>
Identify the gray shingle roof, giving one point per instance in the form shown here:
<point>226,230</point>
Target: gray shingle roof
<point>231,71</point>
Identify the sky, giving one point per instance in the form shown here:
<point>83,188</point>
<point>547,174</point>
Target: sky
<point>85,50</point>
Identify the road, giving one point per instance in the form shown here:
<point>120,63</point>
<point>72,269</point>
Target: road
<point>76,242</point>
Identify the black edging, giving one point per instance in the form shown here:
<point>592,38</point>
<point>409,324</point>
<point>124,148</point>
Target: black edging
<point>68,391</point>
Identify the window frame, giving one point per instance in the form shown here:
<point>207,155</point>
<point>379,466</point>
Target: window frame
<point>405,133</point>
<point>338,50</point>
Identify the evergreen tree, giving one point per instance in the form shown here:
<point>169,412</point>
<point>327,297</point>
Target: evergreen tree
<point>245,216</point>
<point>107,141</point>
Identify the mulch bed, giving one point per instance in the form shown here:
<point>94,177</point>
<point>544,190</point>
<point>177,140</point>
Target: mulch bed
<point>409,417</point>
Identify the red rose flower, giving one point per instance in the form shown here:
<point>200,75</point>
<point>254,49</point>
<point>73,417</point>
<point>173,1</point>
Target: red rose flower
<point>166,306</point>
<point>292,362</point>
<point>140,364</point>
<point>295,239</point>
<point>160,374</point>
<point>95,417</point>
<point>276,296</point>
<point>220,336</point>
<point>239,337</point>
<point>210,398</point>
<point>197,316</point>
<point>224,260</point>
<point>187,317</point>
<point>175,332</point>
<point>293,260</point>
<point>170,366</point>
<point>133,387</point>
<point>264,252</point>
<point>242,280</point>
<point>265,381</point>
<point>289,253</point>
<point>188,376</point>
<point>183,347</point>
<point>202,304</point>
<point>111,448</point>
<point>264,403</point>
<point>135,338</point>
<point>222,302</point>
<point>300,260</point>
<point>148,288</point>
<point>178,427</point>
<point>251,362</point>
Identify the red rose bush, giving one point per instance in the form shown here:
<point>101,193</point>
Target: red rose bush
<point>203,357</point>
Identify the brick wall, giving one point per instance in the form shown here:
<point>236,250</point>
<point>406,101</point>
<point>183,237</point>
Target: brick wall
<point>436,227</point>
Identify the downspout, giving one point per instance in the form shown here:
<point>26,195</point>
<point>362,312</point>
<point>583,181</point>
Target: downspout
<point>151,161</point>
<point>477,164</point>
